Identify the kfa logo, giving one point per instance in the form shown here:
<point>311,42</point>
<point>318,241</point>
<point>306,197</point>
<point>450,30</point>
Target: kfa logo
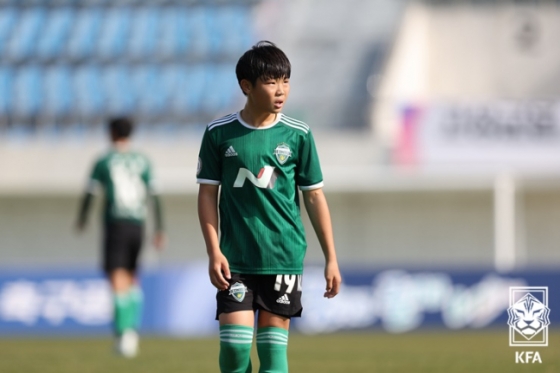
<point>265,179</point>
<point>528,316</point>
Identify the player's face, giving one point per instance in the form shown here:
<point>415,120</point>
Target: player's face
<point>270,94</point>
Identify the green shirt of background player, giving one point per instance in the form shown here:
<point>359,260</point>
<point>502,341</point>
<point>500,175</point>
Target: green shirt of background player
<point>259,158</point>
<point>125,176</point>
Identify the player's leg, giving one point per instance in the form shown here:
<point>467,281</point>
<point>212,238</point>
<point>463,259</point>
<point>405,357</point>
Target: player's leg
<point>135,294</point>
<point>278,299</point>
<point>236,315</point>
<point>121,280</point>
<point>272,342</point>
<point>122,247</point>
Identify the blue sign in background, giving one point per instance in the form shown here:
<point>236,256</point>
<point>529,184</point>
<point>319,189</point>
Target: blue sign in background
<point>181,301</point>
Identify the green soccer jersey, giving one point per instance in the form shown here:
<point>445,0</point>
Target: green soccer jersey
<point>126,178</point>
<point>259,171</point>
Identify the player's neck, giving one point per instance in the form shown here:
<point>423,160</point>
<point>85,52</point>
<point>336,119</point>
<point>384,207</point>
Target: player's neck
<point>122,145</point>
<point>256,118</point>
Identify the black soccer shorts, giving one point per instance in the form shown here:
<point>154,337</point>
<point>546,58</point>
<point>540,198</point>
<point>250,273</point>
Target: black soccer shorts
<point>122,245</point>
<point>277,294</point>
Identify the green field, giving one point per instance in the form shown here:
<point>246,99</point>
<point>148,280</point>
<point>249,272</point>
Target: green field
<point>448,352</point>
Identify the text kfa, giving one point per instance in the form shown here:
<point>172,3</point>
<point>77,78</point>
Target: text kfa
<point>527,357</point>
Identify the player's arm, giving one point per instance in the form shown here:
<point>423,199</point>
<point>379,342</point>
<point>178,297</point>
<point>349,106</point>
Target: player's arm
<point>93,187</point>
<point>159,239</point>
<point>159,236</point>
<point>84,210</point>
<point>318,211</point>
<point>208,217</point>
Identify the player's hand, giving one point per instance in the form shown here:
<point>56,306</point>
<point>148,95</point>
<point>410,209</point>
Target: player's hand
<point>160,240</point>
<point>333,279</point>
<point>219,271</point>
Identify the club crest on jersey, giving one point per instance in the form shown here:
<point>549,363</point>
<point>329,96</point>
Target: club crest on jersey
<point>238,291</point>
<point>282,152</point>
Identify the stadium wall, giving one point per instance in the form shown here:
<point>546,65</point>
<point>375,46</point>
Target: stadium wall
<point>426,229</point>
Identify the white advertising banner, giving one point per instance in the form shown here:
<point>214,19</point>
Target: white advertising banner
<point>500,135</point>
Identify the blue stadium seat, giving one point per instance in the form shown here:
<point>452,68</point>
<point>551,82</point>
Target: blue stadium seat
<point>114,33</point>
<point>144,32</point>
<point>175,81</point>
<point>174,39</point>
<point>221,89</point>
<point>85,32</point>
<point>150,90</point>
<point>215,30</point>
<point>119,90</point>
<point>28,93</point>
<point>196,87</point>
<point>198,31</point>
<point>6,95</point>
<point>58,92</point>
<point>83,60</point>
<point>53,39</point>
<point>8,19</point>
<point>240,19</point>
<point>88,91</point>
<point>27,29</point>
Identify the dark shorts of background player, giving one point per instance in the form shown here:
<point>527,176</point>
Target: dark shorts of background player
<point>122,245</point>
<point>260,294</point>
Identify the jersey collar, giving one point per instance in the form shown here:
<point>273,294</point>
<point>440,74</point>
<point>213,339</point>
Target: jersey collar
<point>245,124</point>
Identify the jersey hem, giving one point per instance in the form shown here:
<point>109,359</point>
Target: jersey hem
<point>253,271</point>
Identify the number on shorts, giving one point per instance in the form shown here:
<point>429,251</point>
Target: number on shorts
<point>289,280</point>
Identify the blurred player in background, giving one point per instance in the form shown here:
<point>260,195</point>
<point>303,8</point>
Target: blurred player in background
<point>259,157</point>
<point>126,179</point>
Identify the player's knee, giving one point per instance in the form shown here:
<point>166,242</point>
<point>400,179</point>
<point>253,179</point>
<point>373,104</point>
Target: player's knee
<point>272,347</point>
<point>235,348</point>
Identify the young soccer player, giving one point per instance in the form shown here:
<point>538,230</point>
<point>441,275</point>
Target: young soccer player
<point>259,157</point>
<point>126,178</point>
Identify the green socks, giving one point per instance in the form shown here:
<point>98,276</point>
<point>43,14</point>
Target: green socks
<point>272,347</point>
<point>235,348</point>
<point>136,299</point>
<point>128,310</point>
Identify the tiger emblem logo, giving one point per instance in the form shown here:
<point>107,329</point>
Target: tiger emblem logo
<point>528,316</point>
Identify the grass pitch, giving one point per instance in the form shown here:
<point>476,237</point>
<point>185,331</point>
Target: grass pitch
<point>419,352</point>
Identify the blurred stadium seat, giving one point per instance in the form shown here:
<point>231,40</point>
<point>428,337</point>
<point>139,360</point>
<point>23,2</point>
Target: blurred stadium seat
<point>72,63</point>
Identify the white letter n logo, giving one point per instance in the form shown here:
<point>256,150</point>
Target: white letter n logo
<point>265,179</point>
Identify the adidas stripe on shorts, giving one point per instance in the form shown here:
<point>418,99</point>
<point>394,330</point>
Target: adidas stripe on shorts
<point>277,294</point>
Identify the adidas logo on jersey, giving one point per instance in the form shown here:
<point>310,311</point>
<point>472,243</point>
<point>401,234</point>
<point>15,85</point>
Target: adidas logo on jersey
<point>230,152</point>
<point>283,299</point>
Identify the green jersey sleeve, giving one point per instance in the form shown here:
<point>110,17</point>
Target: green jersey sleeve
<point>96,179</point>
<point>148,177</point>
<point>309,175</point>
<point>209,169</point>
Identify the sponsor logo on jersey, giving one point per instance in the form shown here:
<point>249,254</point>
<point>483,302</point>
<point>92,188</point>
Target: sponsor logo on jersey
<point>282,152</point>
<point>230,152</point>
<point>265,179</point>
<point>283,299</point>
<point>238,291</point>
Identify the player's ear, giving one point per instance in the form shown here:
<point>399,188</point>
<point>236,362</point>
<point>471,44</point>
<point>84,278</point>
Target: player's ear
<point>246,86</point>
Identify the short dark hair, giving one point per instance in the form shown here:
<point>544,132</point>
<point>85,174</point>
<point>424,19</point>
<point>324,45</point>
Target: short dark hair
<point>265,61</point>
<point>120,127</point>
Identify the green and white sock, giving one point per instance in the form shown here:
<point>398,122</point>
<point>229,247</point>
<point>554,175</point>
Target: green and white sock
<point>136,299</point>
<point>123,316</point>
<point>235,348</point>
<point>272,347</point>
